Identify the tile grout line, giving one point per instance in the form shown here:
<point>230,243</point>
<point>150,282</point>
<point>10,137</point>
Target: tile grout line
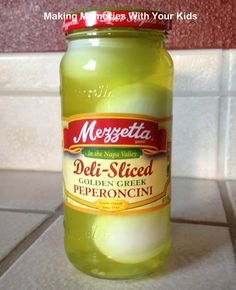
<point>192,178</point>
<point>229,213</point>
<point>19,210</point>
<point>56,94</point>
<point>223,117</point>
<point>28,170</point>
<point>59,209</point>
<point>203,223</point>
<point>23,245</point>
<point>30,93</point>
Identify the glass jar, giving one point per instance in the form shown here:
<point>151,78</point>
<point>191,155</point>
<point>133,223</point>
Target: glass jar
<point>116,89</point>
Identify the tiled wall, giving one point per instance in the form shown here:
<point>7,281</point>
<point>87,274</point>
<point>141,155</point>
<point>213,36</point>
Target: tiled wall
<point>204,112</point>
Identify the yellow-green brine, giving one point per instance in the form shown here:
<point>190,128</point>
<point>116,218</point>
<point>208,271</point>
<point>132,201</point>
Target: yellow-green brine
<point>116,90</point>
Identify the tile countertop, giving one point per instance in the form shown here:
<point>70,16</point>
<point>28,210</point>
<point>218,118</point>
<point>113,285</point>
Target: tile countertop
<point>31,241</point>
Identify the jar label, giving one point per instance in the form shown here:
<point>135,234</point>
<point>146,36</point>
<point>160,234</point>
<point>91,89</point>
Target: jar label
<point>116,163</point>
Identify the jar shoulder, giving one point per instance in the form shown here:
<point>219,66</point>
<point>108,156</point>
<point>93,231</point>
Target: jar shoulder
<point>167,58</point>
<point>94,58</point>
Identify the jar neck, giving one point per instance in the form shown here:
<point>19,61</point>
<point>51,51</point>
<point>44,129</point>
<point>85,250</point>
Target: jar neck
<point>148,37</point>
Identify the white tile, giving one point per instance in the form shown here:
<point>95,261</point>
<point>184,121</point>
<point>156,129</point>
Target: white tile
<point>232,71</point>
<point>197,72</point>
<point>30,72</point>
<point>231,187</point>
<point>231,141</point>
<point>14,227</point>
<point>202,259</point>
<point>196,200</point>
<point>30,190</point>
<point>195,130</point>
<point>31,128</point>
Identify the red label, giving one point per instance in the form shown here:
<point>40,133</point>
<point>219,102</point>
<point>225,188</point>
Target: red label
<point>113,131</point>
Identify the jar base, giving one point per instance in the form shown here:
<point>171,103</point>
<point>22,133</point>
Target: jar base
<point>117,271</point>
